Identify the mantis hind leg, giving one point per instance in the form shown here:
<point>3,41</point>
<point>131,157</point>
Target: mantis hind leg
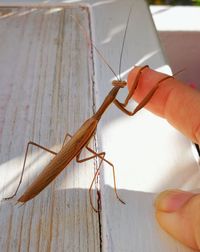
<point>25,158</point>
<point>24,163</point>
<point>100,155</point>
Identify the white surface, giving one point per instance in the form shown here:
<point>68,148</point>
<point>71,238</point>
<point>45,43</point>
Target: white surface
<point>148,154</point>
<point>176,18</point>
<point>179,32</point>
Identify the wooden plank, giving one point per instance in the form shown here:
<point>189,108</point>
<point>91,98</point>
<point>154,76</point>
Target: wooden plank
<point>46,90</point>
<point>149,155</point>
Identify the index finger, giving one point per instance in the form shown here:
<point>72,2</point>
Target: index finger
<point>173,100</point>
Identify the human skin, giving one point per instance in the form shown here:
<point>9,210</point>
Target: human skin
<point>178,212</point>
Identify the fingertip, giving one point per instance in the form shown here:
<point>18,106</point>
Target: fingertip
<point>177,212</point>
<point>172,200</point>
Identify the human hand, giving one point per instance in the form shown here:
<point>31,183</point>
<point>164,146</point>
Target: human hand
<point>178,212</point>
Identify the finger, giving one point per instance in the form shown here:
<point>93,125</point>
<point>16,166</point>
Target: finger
<point>178,103</point>
<point>178,213</point>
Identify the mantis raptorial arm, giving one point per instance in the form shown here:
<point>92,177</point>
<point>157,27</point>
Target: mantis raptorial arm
<point>144,101</point>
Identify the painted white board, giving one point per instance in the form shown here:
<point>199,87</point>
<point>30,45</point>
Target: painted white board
<point>149,155</point>
<point>45,91</point>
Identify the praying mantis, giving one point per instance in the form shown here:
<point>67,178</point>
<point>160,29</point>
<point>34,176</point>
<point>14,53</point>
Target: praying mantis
<point>73,148</point>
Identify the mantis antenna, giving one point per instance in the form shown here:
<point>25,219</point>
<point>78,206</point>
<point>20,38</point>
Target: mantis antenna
<point>123,41</point>
<point>91,44</point>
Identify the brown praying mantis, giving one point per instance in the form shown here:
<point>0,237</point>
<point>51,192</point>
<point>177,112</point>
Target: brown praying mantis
<point>73,148</point>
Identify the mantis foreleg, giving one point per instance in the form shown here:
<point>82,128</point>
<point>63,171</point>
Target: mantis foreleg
<point>144,101</point>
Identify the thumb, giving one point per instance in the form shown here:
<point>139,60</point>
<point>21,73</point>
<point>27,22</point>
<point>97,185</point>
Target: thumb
<point>178,213</point>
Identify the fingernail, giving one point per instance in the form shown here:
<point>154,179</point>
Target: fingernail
<point>172,200</point>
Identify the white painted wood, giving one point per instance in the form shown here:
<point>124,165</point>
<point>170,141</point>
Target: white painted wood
<point>175,16</point>
<point>45,91</point>
<point>148,154</point>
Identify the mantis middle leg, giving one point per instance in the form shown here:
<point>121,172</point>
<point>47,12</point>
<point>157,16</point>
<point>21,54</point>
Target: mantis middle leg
<point>100,155</point>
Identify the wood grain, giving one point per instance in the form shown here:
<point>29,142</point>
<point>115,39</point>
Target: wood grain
<point>46,91</point>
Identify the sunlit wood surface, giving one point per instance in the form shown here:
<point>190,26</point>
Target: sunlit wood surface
<point>45,91</point>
